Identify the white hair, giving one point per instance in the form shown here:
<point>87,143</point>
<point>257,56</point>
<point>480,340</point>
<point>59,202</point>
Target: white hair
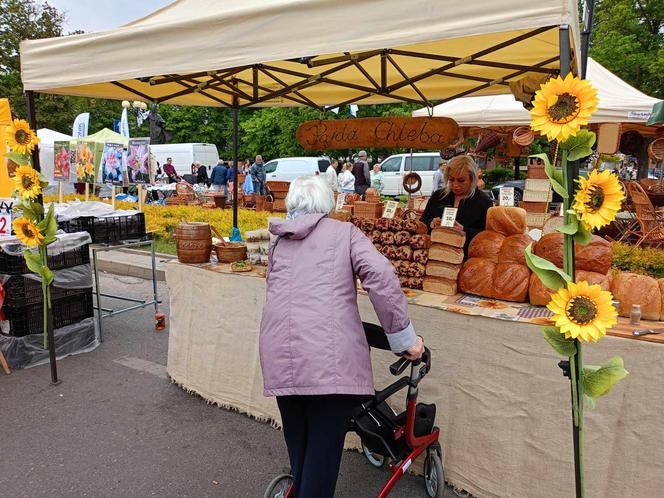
<point>309,195</point>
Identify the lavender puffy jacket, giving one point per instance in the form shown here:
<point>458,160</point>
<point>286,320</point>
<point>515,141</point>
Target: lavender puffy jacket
<point>311,339</point>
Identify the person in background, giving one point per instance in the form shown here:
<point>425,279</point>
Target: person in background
<point>347,180</point>
<point>258,175</point>
<point>201,175</point>
<point>194,168</point>
<point>377,179</point>
<point>248,187</point>
<point>460,191</point>
<point>230,180</point>
<point>169,169</point>
<point>361,173</point>
<point>317,363</point>
<point>218,177</point>
<point>438,177</point>
<point>331,175</point>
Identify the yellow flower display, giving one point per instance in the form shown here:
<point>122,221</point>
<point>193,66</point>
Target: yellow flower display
<point>598,199</point>
<point>27,232</point>
<point>583,311</point>
<point>20,137</point>
<point>28,182</point>
<point>562,106</point>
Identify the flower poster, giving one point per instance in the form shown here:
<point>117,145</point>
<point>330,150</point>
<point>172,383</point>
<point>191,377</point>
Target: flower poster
<point>85,162</point>
<point>61,161</point>
<point>113,164</point>
<point>138,160</point>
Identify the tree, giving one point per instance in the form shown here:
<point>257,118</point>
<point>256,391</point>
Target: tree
<point>628,39</point>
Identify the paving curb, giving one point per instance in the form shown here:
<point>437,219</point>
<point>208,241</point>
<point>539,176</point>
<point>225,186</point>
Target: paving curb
<point>132,268</point>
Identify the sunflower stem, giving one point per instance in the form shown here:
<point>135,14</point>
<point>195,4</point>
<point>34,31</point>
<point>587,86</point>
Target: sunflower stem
<point>576,361</point>
<point>555,156</point>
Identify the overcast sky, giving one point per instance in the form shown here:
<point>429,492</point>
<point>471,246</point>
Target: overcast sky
<point>95,15</point>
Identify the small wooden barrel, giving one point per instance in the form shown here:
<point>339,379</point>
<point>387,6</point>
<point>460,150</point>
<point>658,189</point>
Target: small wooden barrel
<point>193,242</point>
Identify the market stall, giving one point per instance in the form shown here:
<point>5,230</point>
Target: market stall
<point>502,408</point>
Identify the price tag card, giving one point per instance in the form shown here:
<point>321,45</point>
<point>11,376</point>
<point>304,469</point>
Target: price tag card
<point>390,209</point>
<point>6,206</point>
<point>449,217</point>
<point>341,199</point>
<point>562,209</point>
<point>506,196</point>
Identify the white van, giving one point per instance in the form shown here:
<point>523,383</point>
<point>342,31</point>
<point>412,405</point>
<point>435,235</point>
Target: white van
<point>397,166</point>
<point>185,154</point>
<point>289,168</point>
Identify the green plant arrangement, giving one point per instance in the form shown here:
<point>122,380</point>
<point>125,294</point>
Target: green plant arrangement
<point>581,312</point>
<point>32,228</point>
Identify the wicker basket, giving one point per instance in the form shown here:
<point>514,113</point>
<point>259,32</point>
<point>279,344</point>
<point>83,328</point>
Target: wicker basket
<point>537,172</point>
<point>370,210</point>
<point>350,199</point>
<point>184,188</point>
<point>259,201</point>
<point>229,252</point>
<point>656,149</point>
<point>277,186</point>
<point>523,136</point>
<point>279,205</point>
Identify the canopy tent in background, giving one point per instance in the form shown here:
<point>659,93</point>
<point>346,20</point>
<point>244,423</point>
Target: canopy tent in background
<point>48,136</point>
<point>106,136</point>
<point>46,157</point>
<point>618,103</point>
<point>274,52</point>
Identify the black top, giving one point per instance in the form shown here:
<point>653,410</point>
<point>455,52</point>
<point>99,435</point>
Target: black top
<point>471,213</point>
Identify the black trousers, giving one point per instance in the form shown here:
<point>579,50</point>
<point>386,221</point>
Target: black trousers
<point>315,428</point>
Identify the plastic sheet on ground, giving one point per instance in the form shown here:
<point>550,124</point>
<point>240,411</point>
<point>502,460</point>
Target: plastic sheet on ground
<point>28,351</point>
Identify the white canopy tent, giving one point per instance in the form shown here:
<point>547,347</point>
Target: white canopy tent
<point>309,52</point>
<point>618,103</point>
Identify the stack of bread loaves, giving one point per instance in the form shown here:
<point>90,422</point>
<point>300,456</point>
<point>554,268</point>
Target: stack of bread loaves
<point>258,243</point>
<point>496,265</point>
<point>445,259</point>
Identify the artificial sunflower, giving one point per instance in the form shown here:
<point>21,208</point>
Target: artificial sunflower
<point>28,182</point>
<point>562,106</point>
<point>598,199</point>
<point>27,232</point>
<point>582,311</point>
<point>20,137</point>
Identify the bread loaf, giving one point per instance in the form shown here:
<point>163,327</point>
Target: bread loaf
<point>506,220</point>
<point>510,282</point>
<point>449,236</point>
<point>486,244</point>
<point>660,281</point>
<point>476,277</point>
<point>594,257</point>
<point>446,254</point>
<point>420,241</point>
<point>539,295</point>
<point>447,287</point>
<point>513,249</point>
<point>630,288</point>
<point>443,270</point>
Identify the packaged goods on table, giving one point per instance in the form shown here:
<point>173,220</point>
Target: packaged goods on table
<point>258,243</point>
<point>404,242</point>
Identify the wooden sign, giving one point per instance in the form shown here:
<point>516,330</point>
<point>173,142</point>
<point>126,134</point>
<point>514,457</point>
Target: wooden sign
<point>404,132</point>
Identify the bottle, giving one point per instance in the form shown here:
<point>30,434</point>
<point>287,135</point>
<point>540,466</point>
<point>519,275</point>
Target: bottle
<point>616,305</point>
<point>635,315</point>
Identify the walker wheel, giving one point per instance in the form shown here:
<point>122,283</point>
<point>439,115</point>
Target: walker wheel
<point>434,478</point>
<point>279,487</point>
<point>374,458</point>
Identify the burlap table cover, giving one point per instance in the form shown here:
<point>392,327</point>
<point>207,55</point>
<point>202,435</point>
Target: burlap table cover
<point>503,406</point>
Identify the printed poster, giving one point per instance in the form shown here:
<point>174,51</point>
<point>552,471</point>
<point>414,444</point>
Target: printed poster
<point>85,162</point>
<point>61,161</point>
<point>113,164</point>
<point>138,160</point>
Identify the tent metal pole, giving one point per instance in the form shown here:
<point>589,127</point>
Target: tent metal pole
<point>569,175</point>
<point>235,159</point>
<point>32,120</point>
<point>585,36</point>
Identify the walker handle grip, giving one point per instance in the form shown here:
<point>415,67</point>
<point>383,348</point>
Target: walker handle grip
<point>399,366</point>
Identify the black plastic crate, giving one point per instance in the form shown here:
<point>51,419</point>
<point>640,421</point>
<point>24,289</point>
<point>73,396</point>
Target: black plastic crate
<point>109,229</point>
<point>15,265</point>
<point>21,291</point>
<point>26,320</point>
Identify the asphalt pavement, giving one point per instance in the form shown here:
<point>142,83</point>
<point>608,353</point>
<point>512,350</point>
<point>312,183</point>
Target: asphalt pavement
<point>117,427</point>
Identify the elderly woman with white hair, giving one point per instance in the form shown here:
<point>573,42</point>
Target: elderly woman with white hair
<point>314,353</point>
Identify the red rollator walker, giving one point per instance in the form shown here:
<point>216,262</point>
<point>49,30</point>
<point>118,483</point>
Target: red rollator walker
<point>387,436</point>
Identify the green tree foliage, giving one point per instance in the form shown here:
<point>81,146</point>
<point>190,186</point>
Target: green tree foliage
<point>628,39</point>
